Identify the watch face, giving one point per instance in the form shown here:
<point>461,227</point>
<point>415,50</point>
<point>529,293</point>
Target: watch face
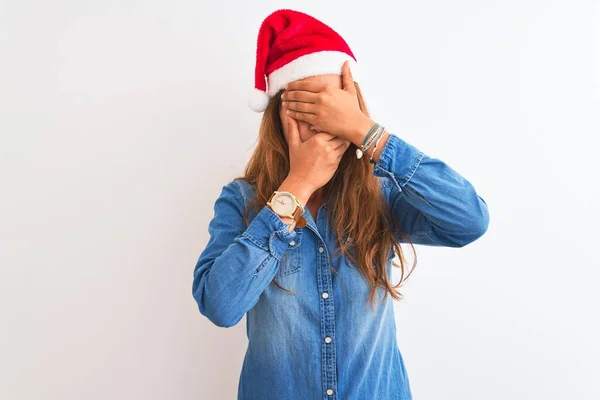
<point>283,203</point>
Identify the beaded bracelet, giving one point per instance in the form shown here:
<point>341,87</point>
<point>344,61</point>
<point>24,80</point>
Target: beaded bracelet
<point>369,137</point>
<point>360,151</point>
<point>373,134</point>
<point>385,132</point>
<point>378,131</point>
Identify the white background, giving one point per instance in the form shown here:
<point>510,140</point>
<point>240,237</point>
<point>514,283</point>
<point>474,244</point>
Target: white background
<point>121,120</point>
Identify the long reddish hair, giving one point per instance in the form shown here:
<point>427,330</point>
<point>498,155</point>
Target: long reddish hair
<point>356,207</point>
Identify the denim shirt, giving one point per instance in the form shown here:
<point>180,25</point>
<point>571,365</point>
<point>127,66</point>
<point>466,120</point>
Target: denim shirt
<point>325,342</point>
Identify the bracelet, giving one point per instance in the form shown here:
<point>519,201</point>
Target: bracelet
<point>367,137</point>
<point>373,134</point>
<point>385,132</point>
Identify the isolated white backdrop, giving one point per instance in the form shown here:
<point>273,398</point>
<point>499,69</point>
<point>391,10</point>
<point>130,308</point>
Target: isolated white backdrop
<point>121,120</point>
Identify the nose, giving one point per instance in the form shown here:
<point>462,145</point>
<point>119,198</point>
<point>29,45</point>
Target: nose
<point>312,128</point>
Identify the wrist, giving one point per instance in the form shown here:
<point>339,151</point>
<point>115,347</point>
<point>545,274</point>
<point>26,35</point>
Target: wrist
<point>361,130</point>
<point>298,188</point>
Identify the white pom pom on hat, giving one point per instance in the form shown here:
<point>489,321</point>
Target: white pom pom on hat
<point>258,101</point>
<point>293,45</point>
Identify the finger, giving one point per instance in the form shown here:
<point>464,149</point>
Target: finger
<point>300,95</point>
<point>341,150</point>
<point>347,79</point>
<point>308,86</point>
<point>337,143</point>
<point>325,136</point>
<point>302,116</point>
<point>329,136</point>
<point>343,146</point>
<point>293,131</point>
<point>298,106</point>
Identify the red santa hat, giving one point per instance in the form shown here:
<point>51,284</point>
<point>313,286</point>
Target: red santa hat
<point>292,45</point>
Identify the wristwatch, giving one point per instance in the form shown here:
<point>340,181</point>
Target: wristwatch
<point>285,204</point>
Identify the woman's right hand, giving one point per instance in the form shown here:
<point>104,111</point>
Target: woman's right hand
<point>313,162</point>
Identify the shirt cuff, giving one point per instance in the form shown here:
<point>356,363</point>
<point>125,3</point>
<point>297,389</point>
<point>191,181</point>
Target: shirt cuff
<point>270,233</point>
<point>398,160</point>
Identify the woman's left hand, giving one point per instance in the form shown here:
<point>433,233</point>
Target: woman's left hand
<point>328,108</point>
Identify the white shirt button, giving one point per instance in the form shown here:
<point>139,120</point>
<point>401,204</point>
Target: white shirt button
<point>293,242</point>
<point>325,295</point>
<point>329,392</point>
<point>327,339</point>
<point>321,249</point>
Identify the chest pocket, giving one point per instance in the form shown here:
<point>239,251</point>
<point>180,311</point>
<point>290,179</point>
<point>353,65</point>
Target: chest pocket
<point>291,260</point>
<point>348,241</point>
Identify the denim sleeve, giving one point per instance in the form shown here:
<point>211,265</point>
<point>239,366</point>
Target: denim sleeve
<point>238,262</point>
<point>434,205</point>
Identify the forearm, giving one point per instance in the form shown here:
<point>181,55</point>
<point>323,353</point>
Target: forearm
<point>239,261</point>
<point>432,202</point>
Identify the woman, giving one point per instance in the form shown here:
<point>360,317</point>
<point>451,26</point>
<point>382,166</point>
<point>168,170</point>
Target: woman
<point>303,243</point>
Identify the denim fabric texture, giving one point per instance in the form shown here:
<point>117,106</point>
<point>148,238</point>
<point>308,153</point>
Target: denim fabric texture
<point>325,342</point>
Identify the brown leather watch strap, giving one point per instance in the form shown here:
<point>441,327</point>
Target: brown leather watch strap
<point>300,220</point>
